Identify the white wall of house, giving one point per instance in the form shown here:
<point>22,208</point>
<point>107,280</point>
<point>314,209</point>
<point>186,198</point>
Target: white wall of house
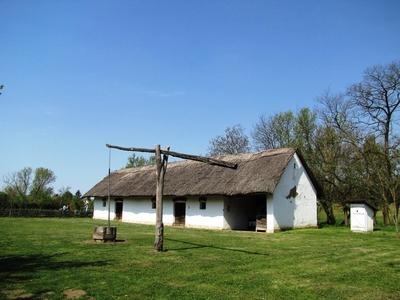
<point>297,212</point>
<point>101,212</point>
<point>211,217</point>
<point>139,210</point>
<point>270,214</point>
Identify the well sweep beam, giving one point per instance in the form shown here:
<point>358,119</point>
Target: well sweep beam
<point>208,160</point>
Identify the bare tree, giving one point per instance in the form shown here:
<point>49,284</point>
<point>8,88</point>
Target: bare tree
<point>276,131</point>
<point>234,141</point>
<point>377,98</point>
<point>19,182</point>
<point>339,113</point>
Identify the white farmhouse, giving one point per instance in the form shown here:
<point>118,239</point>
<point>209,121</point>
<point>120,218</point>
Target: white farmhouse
<point>269,190</point>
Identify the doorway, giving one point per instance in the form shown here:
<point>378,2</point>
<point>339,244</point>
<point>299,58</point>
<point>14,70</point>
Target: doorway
<point>179,213</point>
<point>118,209</point>
<point>246,212</point>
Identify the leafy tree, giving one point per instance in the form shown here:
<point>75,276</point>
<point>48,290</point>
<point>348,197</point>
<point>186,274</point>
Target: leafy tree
<point>140,161</point>
<point>41,183</point>
<point>233,141</point>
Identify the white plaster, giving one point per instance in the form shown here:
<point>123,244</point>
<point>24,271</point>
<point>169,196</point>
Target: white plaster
<point>139,210</point>
<point>297,212</point>
<point>270,215</point>
<point>211,217</point>
<point>101,212</point>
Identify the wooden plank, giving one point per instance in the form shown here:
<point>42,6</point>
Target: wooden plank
<point>208,160</point>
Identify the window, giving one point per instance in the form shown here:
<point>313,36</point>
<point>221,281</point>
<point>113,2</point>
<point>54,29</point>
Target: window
<point>104,202</point>
<point>153,203</point>
<point>203,202</point>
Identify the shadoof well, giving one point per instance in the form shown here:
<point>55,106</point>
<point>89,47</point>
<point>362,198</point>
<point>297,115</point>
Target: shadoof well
<point>109,233</point>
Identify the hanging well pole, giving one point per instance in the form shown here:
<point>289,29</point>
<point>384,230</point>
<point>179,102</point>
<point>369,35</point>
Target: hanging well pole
<point>207,160</point>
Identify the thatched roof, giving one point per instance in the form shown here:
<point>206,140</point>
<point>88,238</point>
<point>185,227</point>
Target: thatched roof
<point>256,173</point>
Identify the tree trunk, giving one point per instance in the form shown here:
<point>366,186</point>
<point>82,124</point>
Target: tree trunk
<point>385,210</point>
<point>330,216</point>
<point>385,213</point>
<point>346,216</point>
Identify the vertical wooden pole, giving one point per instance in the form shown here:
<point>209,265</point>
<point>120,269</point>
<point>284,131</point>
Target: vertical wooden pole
<point>159,239</point>
<point>161,168</point>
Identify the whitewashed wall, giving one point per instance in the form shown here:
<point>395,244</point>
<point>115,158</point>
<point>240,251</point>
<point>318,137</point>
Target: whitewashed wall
<point>139,210</point>
<point>100,212</point>
<point>270,214</point>
<point>211,217</point>
<point>297,212</point>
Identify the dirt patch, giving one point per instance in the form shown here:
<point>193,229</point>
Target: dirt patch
<point>74,294</point>
<point>17,294</point>
<point>25,296</point>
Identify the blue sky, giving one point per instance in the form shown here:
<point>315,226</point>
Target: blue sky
<point>79,74</point>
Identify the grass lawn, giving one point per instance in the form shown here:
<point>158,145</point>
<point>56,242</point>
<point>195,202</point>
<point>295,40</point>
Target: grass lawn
<point>45,257</point>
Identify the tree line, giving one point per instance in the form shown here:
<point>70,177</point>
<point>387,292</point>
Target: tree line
<point>349,140</point>
<point>28,188</point>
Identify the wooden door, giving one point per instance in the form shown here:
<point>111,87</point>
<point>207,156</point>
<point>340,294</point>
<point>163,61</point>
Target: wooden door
<point>118,210</point>
<point>179,213</point>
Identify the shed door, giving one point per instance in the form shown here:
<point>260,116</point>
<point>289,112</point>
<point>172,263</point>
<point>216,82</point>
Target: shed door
<point>358,218</point>
<point>179,212</point>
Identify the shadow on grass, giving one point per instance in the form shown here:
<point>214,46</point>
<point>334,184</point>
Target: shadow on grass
<point>199,246</point>
<point>18,268</point>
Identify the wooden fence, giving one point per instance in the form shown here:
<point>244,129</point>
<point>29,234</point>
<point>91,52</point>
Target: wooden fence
<point>43,213</point>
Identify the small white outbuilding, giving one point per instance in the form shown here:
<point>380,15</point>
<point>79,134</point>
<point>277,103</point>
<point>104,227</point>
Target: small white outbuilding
<point>361,217</point>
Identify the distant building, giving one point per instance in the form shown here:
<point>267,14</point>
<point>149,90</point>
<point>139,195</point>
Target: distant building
<point>269,190</point>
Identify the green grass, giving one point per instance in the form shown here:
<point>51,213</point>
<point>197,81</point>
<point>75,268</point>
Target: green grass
<point>39,256</point>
